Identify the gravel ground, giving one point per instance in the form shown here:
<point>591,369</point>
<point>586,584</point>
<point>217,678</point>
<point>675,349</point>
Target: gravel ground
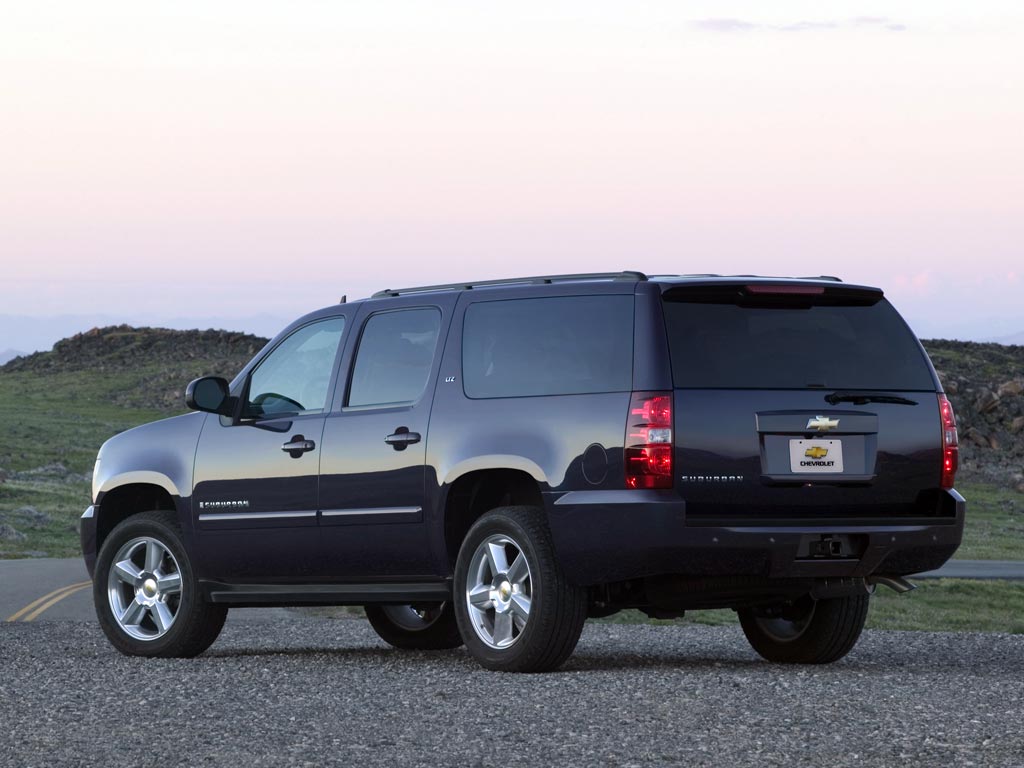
<point>327,692</point>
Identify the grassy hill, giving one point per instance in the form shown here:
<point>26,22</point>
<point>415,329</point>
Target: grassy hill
<point>58,407</point>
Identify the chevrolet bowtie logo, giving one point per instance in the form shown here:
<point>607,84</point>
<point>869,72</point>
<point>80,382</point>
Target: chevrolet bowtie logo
<point>822,424</point>
<point>817,452</point>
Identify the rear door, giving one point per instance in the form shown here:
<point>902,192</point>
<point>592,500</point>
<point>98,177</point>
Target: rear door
<point>777,405</point>
<point>372,501</point>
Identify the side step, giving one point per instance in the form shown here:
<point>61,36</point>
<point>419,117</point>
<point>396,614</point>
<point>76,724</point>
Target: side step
<point>248,595</point>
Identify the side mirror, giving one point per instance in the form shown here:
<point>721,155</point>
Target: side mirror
<point>210,394</point>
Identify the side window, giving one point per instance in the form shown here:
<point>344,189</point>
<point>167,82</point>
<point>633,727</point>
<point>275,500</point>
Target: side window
<point>554,346</point>
<point>294,378</point>
<point>394,358</point>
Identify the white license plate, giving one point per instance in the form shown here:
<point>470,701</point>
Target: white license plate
<point>815,456</point>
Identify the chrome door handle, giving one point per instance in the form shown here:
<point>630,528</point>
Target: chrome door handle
<point>402,438</point>
<point>297,446</point>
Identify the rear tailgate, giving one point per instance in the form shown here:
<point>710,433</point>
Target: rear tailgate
<point>757,440</point>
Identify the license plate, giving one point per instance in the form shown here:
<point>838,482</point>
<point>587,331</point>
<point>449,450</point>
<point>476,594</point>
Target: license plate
<point>815,456</point>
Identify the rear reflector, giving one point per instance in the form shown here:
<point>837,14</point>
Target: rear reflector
<point>649,444</point>
<point>950,443</point>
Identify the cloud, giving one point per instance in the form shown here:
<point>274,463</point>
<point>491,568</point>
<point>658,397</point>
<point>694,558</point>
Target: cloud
<point>725,25</point>
<point>807,26</point>
<point>729,25</point>
<point>879,22</point>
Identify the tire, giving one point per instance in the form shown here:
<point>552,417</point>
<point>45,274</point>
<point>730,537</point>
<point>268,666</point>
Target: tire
<point>515,615</point>
<point>808,631</point>
<point>417,627</point>
<point>156,582</point>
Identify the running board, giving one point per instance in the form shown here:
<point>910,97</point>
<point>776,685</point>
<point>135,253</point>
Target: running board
<point>241,595</point>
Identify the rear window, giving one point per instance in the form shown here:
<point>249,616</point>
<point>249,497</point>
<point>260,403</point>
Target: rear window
<point>552,346</point>
<point>836,346</point>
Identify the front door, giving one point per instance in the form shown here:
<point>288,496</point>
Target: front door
<point>254,501</point>
<point>372,468</point>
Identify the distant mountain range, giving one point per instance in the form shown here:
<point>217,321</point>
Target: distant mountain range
<point>1017,338</point>
<point>9,354</point>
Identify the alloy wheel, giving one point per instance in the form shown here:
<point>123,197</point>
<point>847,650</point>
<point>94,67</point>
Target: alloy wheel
<point>144,588</point>
<point>499,591</point>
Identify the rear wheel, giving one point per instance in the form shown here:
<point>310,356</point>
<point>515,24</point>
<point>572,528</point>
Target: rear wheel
<point>416,627</point>
<point>516,610</point>
<point>806,631</point>
<point>146,592</point>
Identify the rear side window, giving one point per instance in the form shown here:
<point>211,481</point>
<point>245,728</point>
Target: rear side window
<point>836,346</point>
<point>552,346</point>
<point>396,352</point>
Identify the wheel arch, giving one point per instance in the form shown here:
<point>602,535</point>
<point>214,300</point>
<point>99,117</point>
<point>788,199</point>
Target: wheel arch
<point>134,495</point>
<point>477,491</point>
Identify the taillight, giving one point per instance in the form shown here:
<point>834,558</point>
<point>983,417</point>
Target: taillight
<point>950,443</point>
<point>649,443</point>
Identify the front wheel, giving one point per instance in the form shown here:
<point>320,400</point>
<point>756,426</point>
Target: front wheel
<point>147,594</point>
<point>516,610</point>
<point>806,631</point>
<point>416,627</point>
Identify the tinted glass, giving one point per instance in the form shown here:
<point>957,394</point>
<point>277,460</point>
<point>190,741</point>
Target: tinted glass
<point>395,354</point>
<point>724,345</point>
<point>294,377</point>
<point>557,346</point>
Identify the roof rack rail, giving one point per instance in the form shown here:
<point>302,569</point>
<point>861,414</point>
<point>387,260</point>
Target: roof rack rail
<point>636,277</point>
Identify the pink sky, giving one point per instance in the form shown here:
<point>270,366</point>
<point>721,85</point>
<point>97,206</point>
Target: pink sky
<point>235,158</point>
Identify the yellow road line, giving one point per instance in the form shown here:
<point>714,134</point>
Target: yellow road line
<point>40,605</point>
<point>35,614</point>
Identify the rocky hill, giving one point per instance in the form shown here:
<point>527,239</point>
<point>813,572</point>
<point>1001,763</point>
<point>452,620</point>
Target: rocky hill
<point>985,383</point>
<point>141,367</point>
<point>151,367</point>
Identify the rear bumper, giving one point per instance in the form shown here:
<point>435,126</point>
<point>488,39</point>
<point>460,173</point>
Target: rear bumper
<point>87,533</point>
<point>602,537</point>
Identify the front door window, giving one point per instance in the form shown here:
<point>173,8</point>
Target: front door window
<point>294,378</point>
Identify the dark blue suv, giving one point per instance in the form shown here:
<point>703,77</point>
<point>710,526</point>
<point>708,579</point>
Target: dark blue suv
<point>491,463</point>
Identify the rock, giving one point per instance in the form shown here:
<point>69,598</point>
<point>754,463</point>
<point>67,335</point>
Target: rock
<point>994,443</point>
<point>31,517</point>
<point>952,387</point>
<point>974,436</point>
<point>7,533</point>
<point>1011,388</point>
<point>1017,425</point>
<point>986,401</point>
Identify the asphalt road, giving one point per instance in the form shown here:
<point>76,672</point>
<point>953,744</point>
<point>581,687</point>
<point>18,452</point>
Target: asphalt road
<point>328,692</point>
<point>53,589</point>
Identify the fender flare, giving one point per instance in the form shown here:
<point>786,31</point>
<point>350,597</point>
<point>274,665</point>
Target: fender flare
<point>496,461</point>
<point>139,477</point>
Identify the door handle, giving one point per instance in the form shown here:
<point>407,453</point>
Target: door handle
<point>402,438</point>
<point>297,446</point>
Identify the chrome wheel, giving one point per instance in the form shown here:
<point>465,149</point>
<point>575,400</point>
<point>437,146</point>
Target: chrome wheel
<point>415,617</point>
<point>499,590</point>
<point>786,629</point>
<point>144,588</point>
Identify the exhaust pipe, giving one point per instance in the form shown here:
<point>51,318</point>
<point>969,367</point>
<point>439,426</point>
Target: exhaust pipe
<point>896,583</point>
